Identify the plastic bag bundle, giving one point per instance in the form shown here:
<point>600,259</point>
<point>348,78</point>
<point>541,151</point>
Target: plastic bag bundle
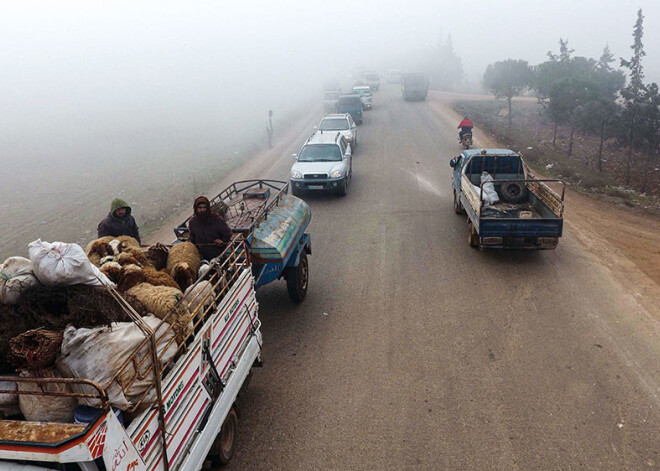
<point>60,264</point>
<point>48,408</point>
<point>99,354</point>
<point>489,195</point>
<point>15,277</point>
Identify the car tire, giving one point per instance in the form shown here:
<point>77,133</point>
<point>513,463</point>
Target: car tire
<point>343,188</point>
<point>473,237</point>
<point>513,192</point>
<point>457,205</point>
<point>297,279</point>
<point>296,192</point>
<point>224,445</point>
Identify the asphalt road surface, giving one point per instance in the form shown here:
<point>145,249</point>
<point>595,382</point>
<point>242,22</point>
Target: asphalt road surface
<point>414,351</point>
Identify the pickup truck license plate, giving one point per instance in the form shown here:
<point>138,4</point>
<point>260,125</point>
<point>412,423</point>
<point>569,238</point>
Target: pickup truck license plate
<point>315,187</point>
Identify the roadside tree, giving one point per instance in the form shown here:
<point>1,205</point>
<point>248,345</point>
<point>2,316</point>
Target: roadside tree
<point>506,79</point>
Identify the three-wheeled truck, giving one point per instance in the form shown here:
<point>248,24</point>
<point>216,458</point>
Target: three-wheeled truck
<point>180,391</point>
<point>273,223</point>
<point>523,212</point>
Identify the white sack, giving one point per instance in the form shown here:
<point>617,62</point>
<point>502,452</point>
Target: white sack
<point>490,195</point>
<point>46,408</point>
<point>60,264</point>
<point>98,353</point>
<point>15,277</point>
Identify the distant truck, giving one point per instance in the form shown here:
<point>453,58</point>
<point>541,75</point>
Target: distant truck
<point>414,86</point>
<point>372,79</point>
<point>506,205</point>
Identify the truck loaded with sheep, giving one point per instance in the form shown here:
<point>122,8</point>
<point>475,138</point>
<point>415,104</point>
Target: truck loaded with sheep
<point>124,357</point>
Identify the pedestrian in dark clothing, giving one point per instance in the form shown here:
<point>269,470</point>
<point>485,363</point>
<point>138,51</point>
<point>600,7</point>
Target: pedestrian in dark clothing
<point>208,230</point>
<point>119,221</point>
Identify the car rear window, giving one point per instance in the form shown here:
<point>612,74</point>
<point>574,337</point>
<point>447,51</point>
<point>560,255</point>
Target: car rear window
<point>334,124</point>
<point>349,101</point>
<point>320,153</point>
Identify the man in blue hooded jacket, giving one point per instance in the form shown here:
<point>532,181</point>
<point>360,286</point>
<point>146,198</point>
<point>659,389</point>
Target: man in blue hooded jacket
<point>119,221</point>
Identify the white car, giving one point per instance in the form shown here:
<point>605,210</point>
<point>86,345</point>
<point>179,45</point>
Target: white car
<point>365,95</point>
<point>342,122</point>
<point>323,164</point>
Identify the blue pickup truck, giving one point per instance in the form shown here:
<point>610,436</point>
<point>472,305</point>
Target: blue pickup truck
<point>506,205</point>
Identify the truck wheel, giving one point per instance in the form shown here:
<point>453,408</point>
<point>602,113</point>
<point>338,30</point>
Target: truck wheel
<point>473,237</point>
<point>224,445</point>
<point>457,205</point>
<point>297,279</point>
<point>513,192</point>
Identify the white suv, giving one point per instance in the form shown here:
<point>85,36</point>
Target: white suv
<point>323,164</point>
<point>342,122</point>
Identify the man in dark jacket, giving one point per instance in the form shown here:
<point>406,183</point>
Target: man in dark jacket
<point>208,230</point>
<point>119,221</point>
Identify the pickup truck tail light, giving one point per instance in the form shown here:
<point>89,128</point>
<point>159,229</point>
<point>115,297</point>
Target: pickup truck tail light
<point>491,240</point>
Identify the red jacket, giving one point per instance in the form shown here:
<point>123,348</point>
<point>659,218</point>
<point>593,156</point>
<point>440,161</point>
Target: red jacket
<point>465,123</point>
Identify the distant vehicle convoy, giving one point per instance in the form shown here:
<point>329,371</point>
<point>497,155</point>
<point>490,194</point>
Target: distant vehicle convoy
<point>506,205</point>
<point>323,164</point>
<point>394,76</point>
<point>330,100</point>
<point>414,86</point>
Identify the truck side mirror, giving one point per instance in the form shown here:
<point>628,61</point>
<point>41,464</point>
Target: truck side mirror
<point>452,163</point>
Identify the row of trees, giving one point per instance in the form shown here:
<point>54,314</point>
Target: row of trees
<point>589,95</point>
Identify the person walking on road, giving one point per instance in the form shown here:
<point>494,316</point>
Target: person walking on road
<point>119,221</point>
<point>269,128</point>
<point>208,230</point>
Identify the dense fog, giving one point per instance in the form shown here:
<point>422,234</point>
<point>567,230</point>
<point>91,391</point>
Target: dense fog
<point>93,90</point>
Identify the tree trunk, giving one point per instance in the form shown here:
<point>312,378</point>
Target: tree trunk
<point>510,122</point>
<point>630,150</point>
<point>570,143</point>
<point>600,147</point>
<point>647,168</point>
<point>554,137</point>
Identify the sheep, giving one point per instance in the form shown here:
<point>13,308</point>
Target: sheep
<point>157,255</point>
<point>99,248</point>
<point>200,294</point>
<point>132,274</point>
<point>112,270</point>
<point>134,256</point>
<point>163,302</point>
<point>183,264</point>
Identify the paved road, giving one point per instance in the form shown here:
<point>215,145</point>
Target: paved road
<point>414,351</point>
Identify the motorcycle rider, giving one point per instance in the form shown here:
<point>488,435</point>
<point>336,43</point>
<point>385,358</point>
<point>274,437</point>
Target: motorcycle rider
<point>465,127</point>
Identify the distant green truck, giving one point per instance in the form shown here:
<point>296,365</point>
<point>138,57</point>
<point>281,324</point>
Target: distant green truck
<point>414,86</point>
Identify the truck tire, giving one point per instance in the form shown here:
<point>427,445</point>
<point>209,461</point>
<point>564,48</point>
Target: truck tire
<point>224,445</point>
<point>297,279</point>
<point>457,205</point>
<point>513,192</point>
<point>473,237</point>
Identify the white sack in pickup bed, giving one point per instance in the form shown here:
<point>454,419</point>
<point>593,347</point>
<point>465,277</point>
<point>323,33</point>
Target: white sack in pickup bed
<point>99,353</point>
<point>15,277</point>
<point>60,264</point>
<point>47,408</point>
<point>490,194</point>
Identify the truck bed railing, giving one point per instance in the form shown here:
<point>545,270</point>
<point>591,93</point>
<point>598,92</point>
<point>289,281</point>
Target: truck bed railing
<point>553,200</point>
<point>242,216</point>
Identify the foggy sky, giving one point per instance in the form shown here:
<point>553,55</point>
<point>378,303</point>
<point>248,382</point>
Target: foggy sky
<point>79,76</point>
